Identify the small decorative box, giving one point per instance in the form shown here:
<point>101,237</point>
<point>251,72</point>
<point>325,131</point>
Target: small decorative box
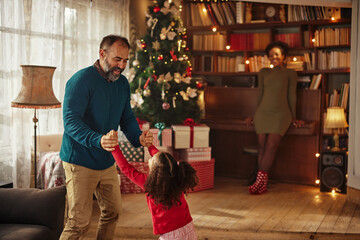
<point>166,137</point>
<point>205,173</point>
<point>131,153</point>
<point>190,137</point>
<point>196,154</point>
<point>147,155</point>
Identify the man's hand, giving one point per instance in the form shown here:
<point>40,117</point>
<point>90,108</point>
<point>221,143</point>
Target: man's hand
<point>109,141</point>
<point>146,138</point>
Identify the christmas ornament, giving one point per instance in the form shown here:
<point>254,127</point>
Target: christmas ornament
<point>154,22</point>
<point>138,90</point>
<point>162,92</point>
<point>143,45</point>
<point>166,106</point>
<point>199,85</point>
<point>147,92</point>
<point>173,102</point>
<point>179,45</point>
<point>173,56</point>
<point>136,63</point>
<point>167,33</point>
<point>160,57</point>
<point>156,45</point>
<point>156,9</point>
<point>136,100</point>
<point>184,96</point>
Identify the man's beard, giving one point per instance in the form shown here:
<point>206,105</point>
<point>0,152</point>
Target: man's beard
<point>110,71</point>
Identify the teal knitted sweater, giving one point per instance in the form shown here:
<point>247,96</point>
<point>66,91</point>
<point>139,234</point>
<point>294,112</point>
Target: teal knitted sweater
<point>92,107</point>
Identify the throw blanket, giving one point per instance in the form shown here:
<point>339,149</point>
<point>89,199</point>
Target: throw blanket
<point>50,172</point>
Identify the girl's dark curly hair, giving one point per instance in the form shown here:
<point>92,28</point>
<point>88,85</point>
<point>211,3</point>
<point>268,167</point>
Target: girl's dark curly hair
<point>167,180</point>
<point>278,44</point>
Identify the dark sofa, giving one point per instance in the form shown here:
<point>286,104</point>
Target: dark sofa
<point>32,214</point>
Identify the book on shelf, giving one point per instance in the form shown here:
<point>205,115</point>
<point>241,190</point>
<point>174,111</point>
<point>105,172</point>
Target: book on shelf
<point>315,82</point>
<point>204,15</point>
<point>240,7</point>
<point>214,7</point>
<point>207,63</point>
<point>212,14</point>
<point>227,13</point>
<point>195,16</point>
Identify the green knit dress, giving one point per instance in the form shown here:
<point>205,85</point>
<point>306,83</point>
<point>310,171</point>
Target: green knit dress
<point>276,100</point>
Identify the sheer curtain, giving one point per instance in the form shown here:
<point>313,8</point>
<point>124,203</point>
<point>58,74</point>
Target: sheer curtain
<point>62,33</point>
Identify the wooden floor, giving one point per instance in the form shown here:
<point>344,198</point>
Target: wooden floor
<point>228,211</point>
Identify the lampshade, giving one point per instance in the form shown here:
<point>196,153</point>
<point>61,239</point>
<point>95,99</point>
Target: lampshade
<point>335,118</point>
<point>36,89</point>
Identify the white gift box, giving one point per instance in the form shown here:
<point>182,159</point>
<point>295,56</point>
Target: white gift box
<point>196,154</point>
<point>147,155</point>
<point>183,136</point>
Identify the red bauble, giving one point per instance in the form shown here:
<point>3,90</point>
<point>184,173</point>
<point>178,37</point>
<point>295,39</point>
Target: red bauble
<point>156,9</point>
<point>184,36</point>
<point>160,57</point>
<point>186,49</point>
<point>143,45</point>
<point>166,106</point>
<point>199,85</point>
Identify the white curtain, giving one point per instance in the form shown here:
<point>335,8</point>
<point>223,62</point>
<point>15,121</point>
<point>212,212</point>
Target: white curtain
<point>62,33</point>
<point>354,115</point>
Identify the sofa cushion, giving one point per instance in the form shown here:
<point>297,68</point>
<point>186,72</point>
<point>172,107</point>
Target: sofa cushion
<point>34,206</point>
<point>24,231</point>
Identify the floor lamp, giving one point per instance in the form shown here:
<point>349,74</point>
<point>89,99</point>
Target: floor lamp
<point>36,93</point>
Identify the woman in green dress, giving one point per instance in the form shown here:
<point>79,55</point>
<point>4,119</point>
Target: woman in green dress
<point>275,111</point>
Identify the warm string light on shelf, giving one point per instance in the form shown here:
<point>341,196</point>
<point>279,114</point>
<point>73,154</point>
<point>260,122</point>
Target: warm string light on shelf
<point>214,29</point>
<point>228,47</point>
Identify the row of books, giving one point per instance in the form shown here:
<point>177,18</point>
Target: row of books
<point>309,13</point>
<point>333,60</point>
<point>232,12</point>
<point>231,64</point>
<point>309,59</point>
<point>214,13</point>
<point>292,39</point>
<point>332,36</point>
<point>308,82</point>
<point>209,42</point>
<point>258,62</point>
<point>338,98</point>
<point>249,41</point>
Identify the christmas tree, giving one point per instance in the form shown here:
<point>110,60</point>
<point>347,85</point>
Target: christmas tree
<point>162,88</point>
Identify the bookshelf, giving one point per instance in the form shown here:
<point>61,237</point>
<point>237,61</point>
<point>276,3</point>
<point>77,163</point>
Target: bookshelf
<point>229,52</point>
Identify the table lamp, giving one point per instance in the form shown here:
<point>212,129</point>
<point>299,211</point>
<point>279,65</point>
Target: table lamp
<point>335,119</point>
<point>36,93</point>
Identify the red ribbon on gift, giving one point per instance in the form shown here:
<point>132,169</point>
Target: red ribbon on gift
<point>191,123</point>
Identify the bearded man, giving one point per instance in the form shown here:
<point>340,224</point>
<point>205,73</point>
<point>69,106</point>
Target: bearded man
<point>97,100</point>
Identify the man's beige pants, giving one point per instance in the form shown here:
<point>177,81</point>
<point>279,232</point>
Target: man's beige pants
<point>81,184</point>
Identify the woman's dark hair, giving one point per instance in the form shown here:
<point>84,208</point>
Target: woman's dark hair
<point>109,40</point>
<point>168,180</point>
<point>278,44</point>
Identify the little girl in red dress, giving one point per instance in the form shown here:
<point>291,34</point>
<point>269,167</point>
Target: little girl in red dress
<point>165,186</point>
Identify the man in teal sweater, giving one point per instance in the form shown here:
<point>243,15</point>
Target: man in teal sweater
<point>97,100</point>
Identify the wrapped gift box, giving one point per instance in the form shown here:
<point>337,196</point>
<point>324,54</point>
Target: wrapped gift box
<point>131,153</point>
<point>147,155</point>
<point>166,137</point>
<point>195,154</point>
<point>183,135</point>
<point>126,185</point>
<point>205,173</point>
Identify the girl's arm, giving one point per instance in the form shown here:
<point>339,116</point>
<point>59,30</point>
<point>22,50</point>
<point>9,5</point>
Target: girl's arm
<point>152,150</point>
<point>135,176</point>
